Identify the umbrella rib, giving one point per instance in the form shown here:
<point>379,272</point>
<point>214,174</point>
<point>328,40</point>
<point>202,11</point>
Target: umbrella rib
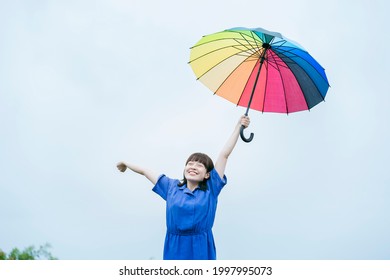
<point>300,57</point>
<point>274,61</point>
<point>291,54</point>
<point>277,48</point>
<point>252,37</point>
<point>228,38</point>
<point>251,51</point>
<point>284,88</point>
<point>288,53</point>
<point>227,77</point>
<point>300,86</point>
<point>249,43</point>
<point>265,86</point>
<point>258,47</point>
<point>255,49</point>
<point>215,50</point>
<point>282,43</point>
<point>242,53</point>
<point>248,53</point>
<point>235,39</point>
<point>239,54</point>
<point>314,83</point>
<point>247,81</point>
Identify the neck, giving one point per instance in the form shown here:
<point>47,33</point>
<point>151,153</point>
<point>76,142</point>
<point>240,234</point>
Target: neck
<point>192,185</point>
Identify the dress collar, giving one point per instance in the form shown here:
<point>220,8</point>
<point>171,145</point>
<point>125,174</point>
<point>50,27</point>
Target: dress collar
<point>187,190</point>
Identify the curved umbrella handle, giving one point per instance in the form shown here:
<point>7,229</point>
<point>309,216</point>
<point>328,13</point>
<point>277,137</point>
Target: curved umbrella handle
<point>247,140</point>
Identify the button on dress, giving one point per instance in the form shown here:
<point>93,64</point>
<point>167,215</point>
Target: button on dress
<point>190,218</point>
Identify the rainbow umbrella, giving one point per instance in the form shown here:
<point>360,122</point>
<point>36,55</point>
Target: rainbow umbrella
<point>259,69</point>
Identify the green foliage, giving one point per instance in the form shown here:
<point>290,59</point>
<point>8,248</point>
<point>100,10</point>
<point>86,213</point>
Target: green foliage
<point>3,256</point>
<point>29,253</point>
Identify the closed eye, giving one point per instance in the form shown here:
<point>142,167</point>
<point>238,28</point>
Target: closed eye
<point>195,164</point>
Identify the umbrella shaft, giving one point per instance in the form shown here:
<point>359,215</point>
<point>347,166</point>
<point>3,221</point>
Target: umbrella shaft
<point>254,86</point>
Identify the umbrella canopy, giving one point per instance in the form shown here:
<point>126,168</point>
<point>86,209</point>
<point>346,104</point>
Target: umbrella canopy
<point>259,69</point>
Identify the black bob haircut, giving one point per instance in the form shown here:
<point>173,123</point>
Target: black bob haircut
<point>206,161</point>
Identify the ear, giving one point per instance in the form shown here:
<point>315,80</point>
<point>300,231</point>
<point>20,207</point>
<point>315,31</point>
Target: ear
<point>207,175</point>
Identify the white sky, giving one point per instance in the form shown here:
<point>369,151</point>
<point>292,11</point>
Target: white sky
<point>85,84</point>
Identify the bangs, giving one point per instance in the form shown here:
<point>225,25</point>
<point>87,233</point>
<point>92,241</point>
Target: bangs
<point>202,158</point>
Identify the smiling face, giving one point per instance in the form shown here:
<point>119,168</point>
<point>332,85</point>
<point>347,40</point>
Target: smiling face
<point>195,171</point>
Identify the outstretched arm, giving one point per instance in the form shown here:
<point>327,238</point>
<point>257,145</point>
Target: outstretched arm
<point>149,174</point>
<point>221,162</point>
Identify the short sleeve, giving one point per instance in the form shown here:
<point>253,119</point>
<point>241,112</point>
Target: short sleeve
<point>162,186</point>
<point>216,183</point>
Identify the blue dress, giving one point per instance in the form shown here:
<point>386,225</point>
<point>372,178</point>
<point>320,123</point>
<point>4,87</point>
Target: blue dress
<point>189,218</point>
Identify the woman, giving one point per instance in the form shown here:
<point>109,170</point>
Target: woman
<point>191,204</point>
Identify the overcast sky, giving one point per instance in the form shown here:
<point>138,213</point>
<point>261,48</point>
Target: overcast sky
<point>85,84</point>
